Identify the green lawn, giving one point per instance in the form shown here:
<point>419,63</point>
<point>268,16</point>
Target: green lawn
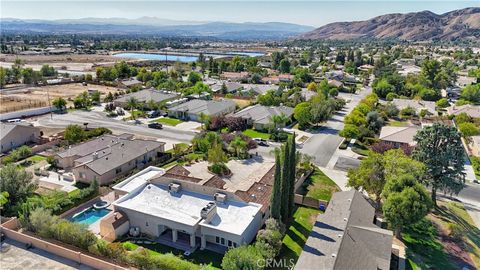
<point>424,247</point>
<point>168,121</point>
<point>319,186</point>
<point>36,158</point>
<point>198,257</point>
<point>256,134</point>
<point>360,149</point>
<point>398,123</point>
<point>297,233</point>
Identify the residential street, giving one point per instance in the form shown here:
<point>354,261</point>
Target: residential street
<point>99,119</point>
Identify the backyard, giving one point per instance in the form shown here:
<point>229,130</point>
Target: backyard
<point>198,257</point>
<point>168,121</point>
<point>432,245</point>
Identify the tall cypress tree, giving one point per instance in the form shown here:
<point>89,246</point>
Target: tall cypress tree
<point>285,183</point>
<point>276,197</point>
<point>292,174</point>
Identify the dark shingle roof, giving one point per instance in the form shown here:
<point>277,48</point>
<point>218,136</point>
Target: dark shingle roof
<point>346,238</point>
<point>147,95</point>
<point>263,114</point>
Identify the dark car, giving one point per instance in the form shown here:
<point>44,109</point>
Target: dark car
<point>261,142</point>
<point>155,125</point>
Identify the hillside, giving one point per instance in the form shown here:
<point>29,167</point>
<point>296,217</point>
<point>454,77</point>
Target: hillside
<point>418,26</point>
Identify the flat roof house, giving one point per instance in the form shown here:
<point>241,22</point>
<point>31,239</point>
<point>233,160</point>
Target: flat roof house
<point>345,237</point>
<point>144,96</point>
<point>192,109</point>
<point>189,208</point>
<point>108,157</point>
<point>13,135</point>
<point>260,116</point>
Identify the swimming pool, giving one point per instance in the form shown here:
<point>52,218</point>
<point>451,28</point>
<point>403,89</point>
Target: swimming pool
<point>90,216</point>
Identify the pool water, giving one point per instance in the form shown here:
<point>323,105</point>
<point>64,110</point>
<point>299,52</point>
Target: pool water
<point>90,216</point>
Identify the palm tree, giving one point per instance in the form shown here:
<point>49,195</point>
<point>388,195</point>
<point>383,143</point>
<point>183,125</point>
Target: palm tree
<point>239,146</point>
<point>152,105</point>
<point>279,120</point>
<point>132,104</point>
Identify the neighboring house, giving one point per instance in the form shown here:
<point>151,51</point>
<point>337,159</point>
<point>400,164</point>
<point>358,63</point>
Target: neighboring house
<point>231,87</point>
<point>108,157</point>
<point>190,208</point>
<point>261,116</point>
<point>259,89</point>
<point>278,79</point>
<point>417,105</point>
<point>336,83</point>
<point>345,237</point>
<point>144,96</point>
<point>13,135</point>
<point>192,109</point>
<point>235,76</point>
<point>335,75</point>
<point>305,94</point>
<point>471,110</point>
<point>130,83</point>
<point>398,136</point>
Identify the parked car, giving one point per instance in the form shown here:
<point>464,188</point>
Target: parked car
<point>134,122</point>
<point>476,181</point>
<point>155,125</point>
<point>153,114</point>
<point>120,111</point>
<point>261,142</point>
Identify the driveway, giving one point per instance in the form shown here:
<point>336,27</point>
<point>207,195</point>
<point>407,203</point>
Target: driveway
<point>99,119</point>
<point>323,143</point>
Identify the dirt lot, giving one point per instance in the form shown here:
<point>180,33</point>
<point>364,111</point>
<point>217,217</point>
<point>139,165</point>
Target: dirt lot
<point>34,97</point>
<point>64,58</point>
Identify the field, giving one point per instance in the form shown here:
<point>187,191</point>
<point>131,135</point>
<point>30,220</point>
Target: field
<point>34,97</point>
<point>64,59</point>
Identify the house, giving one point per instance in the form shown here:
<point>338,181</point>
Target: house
<point>261,116</point>
<point>417,105</point>
<point>108,157</point>
<point>345,237</point>
<point>398,136</point>
<point>278,79</point>
<point>335,75</point>
<point>336,83</point>
<point>231,87</point>
<point>192,109</point>
<point>235,76</point>
<point>471,110</point>
<point>305,94</point>
<point>189,207</point>
<point>475,145</point>
<point>259,89</point>
<point>130,83</point>
<point>145,96</point>
<point>13,135</point>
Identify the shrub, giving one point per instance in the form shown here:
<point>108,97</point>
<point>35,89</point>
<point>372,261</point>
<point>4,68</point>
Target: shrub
<point>456,232</point>
<point>220,169</point>
<point>145,261</point>
<point>244,257</point>
<point>391,96</point>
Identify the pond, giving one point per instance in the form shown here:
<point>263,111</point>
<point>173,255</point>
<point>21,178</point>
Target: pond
<point>181,57</point>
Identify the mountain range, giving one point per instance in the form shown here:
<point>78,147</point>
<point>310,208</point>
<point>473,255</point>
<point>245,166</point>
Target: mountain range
<point>418,26</point>
<point>156,26</point>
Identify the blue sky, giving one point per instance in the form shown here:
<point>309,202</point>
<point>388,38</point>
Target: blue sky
<point>314,13</point>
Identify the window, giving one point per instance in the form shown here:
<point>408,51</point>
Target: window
<point>234,244</point>
<point>217,240</point>
<point>118,170</point>
<point>82,175</point>
<point>229,243</point>
<point>146,223</point>
<point>222,241</point>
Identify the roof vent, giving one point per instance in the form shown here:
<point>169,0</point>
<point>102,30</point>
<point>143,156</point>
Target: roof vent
<point>340,235</point>
<point>174,188</point>
<point>345,219</point>
<point>219,197</point>
<point>334,255</point>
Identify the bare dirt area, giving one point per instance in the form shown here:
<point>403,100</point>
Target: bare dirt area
<point>34,97</point>
<point>64,58</point>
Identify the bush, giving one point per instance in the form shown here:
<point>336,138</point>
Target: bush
<point>244,257</point>
<point>456,232</point>
<point>279,136</point>
<point>145,261</point>
<point>391,96</point>
<point>219,169</point>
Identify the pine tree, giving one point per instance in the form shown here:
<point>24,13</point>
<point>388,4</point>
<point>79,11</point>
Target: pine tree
<point>276,197</point>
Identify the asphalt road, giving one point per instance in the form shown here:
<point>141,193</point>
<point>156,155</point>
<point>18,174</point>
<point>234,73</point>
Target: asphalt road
<point>99,119</point>
<point>325,140</point>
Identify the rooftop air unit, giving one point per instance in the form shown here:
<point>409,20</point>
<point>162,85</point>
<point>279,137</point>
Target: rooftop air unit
<point>220,197</point>
<point>208,212</point>
<point>174,188</point>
